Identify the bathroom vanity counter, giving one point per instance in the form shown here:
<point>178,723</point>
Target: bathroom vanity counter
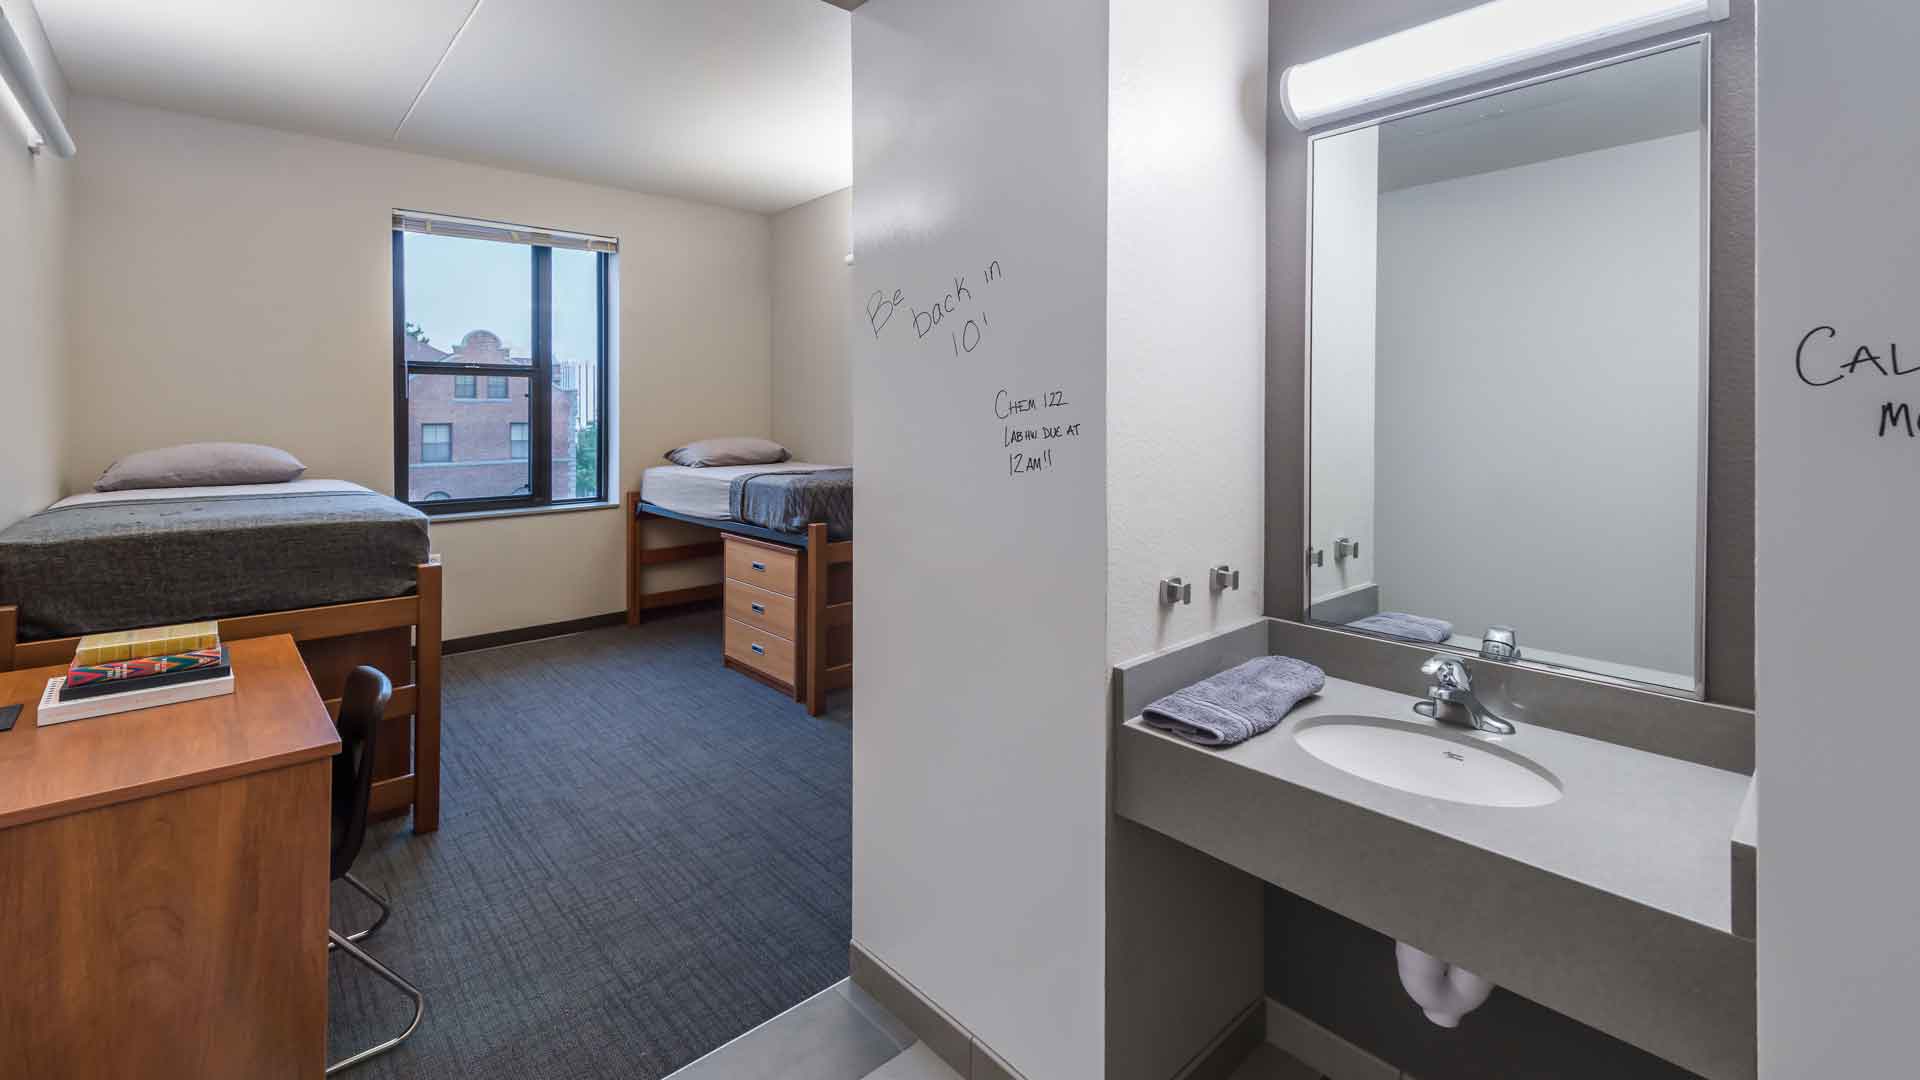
<point>1612,905</point>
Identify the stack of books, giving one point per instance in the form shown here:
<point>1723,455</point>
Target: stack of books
<point>138,669</point>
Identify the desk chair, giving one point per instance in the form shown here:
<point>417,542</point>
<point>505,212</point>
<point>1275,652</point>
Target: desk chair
<point>361,709</point>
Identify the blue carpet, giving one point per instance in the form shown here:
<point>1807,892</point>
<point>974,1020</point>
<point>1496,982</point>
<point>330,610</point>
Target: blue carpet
<point>641,855</point>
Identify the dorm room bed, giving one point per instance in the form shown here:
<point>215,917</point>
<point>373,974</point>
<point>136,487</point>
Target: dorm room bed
<point>787,549</point>
<point>344,570</point>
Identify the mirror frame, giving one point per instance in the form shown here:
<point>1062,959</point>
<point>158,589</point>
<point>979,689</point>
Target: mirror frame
<point>1704,41</point>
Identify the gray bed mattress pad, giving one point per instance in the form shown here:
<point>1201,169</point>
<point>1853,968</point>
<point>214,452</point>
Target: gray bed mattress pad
<point>153,561</point>
<point>790,501</point>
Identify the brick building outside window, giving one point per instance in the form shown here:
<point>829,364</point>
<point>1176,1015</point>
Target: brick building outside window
<point>484,419</point>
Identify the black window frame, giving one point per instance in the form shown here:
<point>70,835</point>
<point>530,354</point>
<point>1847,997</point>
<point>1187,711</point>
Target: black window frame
<point>448,443</point>
<point>539,378</point>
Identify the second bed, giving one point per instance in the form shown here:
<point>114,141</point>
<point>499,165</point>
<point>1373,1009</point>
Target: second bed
<point>788,555</point>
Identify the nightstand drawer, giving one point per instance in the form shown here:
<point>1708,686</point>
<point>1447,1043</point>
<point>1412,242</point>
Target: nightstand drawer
<point>763,610</point>
<point>769,654</point>
<point>772,568</point>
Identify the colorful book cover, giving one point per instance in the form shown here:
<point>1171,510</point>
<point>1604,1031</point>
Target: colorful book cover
<point>93,680</point>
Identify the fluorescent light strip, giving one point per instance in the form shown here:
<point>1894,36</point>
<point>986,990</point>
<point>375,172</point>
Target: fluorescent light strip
<point>1474,45</point>
<point>40,122</point>
<point>35,141</point>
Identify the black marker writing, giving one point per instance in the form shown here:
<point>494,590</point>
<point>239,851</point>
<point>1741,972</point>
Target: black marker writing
<point>1863,357</point>
<point>1019,464</point>
<point>880,309</point>
<point>967,338</point>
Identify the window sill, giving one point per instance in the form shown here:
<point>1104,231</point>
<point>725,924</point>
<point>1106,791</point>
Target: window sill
<point>523,511</point>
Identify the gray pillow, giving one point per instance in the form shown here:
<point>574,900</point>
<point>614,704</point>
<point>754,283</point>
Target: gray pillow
<point>200,465</point>
<point>734,450</point>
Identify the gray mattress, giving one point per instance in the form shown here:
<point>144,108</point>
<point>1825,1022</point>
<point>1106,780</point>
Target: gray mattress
<point>151,561</point>
<point>789,501</point>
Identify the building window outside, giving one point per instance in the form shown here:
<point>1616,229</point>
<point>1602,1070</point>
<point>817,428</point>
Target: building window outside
<point>537,433</point>
<point>436,442</point>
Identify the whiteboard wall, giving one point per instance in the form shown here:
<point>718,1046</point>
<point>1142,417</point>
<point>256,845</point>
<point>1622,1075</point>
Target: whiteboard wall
<point>979,220</point>
<point>1838,245</point>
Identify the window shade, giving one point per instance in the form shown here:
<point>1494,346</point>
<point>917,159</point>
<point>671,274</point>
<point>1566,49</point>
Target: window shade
<point>438,225</point>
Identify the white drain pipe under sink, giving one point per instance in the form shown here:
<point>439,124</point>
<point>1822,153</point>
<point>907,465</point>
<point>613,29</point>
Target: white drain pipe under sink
<point>1444,991</point>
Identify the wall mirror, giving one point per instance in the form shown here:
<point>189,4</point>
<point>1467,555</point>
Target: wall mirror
<point>1507,357</point>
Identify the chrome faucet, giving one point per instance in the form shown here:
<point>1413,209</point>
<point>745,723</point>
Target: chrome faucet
<point>1451,700</point>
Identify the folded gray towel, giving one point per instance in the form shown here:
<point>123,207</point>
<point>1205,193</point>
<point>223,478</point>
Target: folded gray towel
<point>1236,704</point>
<point>1410,627</point>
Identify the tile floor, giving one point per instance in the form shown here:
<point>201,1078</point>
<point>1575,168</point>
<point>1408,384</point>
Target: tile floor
<point>843,1034</point>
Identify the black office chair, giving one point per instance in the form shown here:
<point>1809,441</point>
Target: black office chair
<point>361,709</point>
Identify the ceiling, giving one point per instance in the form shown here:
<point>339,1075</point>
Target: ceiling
<point>744,103</point>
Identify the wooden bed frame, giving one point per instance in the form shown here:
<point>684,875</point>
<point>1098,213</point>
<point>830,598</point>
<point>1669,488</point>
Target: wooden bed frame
<point>826,597</point>
<point>400,636</point>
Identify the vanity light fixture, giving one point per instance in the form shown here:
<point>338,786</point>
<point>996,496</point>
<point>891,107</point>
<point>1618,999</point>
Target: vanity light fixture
<point>1471,46</point>
<point>24,96</point>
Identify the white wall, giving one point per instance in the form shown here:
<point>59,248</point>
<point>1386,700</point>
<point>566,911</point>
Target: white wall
<point>979,761</point>
<point>813,320</point>
<point>1186,316</point>
<point>1838,245</point>
<point>1346,249</point>
<point>1479,520</point>
<point>233,282</point>
<point>33,229</point>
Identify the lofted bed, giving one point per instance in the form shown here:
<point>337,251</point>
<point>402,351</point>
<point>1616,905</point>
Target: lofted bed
<point>785,543</point>
<point>345,571</point>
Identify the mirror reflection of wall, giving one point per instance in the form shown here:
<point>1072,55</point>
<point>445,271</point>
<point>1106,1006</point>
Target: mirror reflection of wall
<point>1508,371</point>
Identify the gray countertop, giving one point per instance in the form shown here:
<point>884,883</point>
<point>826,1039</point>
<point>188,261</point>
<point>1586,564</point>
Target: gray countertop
<point>1649,829</point>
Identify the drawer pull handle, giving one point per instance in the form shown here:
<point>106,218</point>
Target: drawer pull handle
<point>758,608</point>
<point>760,649</point>
<point>760,566</point>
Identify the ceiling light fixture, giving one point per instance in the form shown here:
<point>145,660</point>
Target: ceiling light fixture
<point>1480,43</point>
<point>26,96</point>
<point>10,104</point>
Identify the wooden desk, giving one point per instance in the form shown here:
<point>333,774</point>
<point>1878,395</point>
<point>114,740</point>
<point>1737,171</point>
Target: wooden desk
<point>164,881</point>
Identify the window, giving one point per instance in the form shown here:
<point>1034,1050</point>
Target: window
<point>436,442</point>
<point>513,325</point>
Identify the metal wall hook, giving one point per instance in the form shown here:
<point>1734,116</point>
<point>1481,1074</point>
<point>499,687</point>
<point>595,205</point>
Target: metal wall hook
<point>1224,577</point>
<point>1316,556</point>
<point>1173,591</point>
<point>1345,548</point>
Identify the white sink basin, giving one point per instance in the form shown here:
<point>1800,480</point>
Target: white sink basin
<point>1435,762</point>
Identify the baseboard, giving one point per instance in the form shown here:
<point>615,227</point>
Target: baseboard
<point>963,1052</point>
<point>532,633</point>
<point>1231,1048</point>
<point>1321,1050</point>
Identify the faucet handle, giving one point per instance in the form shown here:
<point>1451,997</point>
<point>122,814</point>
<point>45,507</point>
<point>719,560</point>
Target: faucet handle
<point>1447,672</point>
<point>1500,643</point>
